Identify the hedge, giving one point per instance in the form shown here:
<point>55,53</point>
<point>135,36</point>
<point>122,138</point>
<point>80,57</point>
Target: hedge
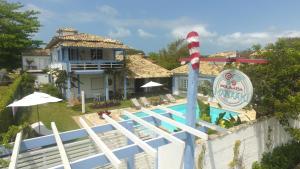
<point>286,156</point>
<point>7,95</point>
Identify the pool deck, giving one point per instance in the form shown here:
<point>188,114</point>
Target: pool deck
<point>93,118</point>
<point>245,115</point>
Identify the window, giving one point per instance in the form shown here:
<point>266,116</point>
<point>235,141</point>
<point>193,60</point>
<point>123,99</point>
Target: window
<point>96,54</point>
<point>184,83</point>
<point>73,55</point>
<point>95,83</point>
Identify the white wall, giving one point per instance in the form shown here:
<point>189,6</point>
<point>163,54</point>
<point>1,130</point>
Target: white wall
<point>42,78</point>
<point>87,85</point>
<point>178,83</point>
<point>54,55</point>
<point>39,62</point>
<point>175,85</point>
<point>219,150</point>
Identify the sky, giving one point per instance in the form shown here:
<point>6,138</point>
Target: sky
<point>223,25</point>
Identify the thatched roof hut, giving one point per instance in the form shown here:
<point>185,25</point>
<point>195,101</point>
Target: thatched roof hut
<point>140,67</point>
<point>206,68</point>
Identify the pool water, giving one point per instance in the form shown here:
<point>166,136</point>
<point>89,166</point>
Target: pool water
<point>181,108</point>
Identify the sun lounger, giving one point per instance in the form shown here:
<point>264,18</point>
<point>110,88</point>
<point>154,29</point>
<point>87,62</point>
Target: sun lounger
<point>43,129</point>
<point>136,103</point>
<point>171,98</point>
<point>145,101</point>
<point>163,99</point>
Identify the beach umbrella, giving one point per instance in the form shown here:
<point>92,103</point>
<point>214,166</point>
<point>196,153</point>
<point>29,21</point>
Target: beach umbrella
<point>151,84</point>
<point>33,99</point>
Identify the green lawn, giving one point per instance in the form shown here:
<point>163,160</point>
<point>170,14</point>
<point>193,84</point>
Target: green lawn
<point>59,113</point>
<point>56,112</point>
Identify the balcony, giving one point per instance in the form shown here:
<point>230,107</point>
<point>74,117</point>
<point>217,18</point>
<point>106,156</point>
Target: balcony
<point>95,65</point>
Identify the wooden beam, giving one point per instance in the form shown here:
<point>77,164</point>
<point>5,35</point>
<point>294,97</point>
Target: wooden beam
<point>212,126</point>
<point>177,124</point>
<point>38,142</point>
<point>168,110</point>
<point>61,149</point>
<point>159,131</point>
<point>101,145</point>
<point>14,157</point>
<point>100,159</point>
<point>148,149</point>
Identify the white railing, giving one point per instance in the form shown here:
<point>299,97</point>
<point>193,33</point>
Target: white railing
<point>95,65</point>
<point>60,66</point>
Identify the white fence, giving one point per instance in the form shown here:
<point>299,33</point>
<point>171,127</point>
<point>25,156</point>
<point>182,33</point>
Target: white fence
<point>255,138</point>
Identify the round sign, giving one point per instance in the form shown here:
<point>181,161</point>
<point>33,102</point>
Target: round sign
<point>233,89</point>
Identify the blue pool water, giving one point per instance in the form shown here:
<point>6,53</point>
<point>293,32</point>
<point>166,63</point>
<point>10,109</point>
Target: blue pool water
<point>181,108</point>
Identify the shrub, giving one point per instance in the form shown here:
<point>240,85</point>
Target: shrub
<point>283,157</point>
<point>6,97</point>
<point>51,89</point>
<point>27,84</point>
<point>204,111</point>
<point>105,104</point>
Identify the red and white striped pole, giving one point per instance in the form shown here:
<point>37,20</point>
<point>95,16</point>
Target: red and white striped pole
<point>190,115</point>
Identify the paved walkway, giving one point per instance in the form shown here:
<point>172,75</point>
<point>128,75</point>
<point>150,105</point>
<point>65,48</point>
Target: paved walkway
<point>93,118</point>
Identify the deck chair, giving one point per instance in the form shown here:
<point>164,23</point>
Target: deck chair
<point>171,98</point>
<point>145,102</point>
<point>136,103</point>
<point>43,129</point>
<point>163,99</point>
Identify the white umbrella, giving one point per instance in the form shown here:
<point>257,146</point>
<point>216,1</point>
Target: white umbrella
<point>35,98</point>
<point>151,84</point>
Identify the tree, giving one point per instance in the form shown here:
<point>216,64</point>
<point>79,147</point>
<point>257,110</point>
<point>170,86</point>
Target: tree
<point>169,57</point>
<point>134,52</point>
<point>16,28</point>
<point>276,84</point>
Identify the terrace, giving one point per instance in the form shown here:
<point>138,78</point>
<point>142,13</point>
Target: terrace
<point>76,150</point>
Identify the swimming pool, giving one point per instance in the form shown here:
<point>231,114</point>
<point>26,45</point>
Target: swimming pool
<point>181,108</point>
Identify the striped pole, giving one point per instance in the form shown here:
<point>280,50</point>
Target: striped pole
<point>193,45</point>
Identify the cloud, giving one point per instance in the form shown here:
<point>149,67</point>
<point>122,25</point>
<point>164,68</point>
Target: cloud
<point>289,34</point>
<point>120,33</point>
<point>250,38</point>
<point>182,31</point>
<point>104,13</point>
<point>44,15</point>
<point>245,38</point>
<point>107,10</point>
<point>144,34</point>
<point>81,17</point>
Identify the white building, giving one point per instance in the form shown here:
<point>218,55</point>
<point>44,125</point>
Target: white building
<point>207,72</point>
<point>99,64</point>
<point>35,61</point>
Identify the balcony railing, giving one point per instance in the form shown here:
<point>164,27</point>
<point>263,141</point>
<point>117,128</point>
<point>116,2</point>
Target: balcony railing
<point>95,65</point>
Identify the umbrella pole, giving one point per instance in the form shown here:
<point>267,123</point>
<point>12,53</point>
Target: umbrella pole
<point>38,116</point>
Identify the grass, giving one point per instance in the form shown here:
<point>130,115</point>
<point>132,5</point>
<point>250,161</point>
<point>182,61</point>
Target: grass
<point>59,113</point>
<point>56,112</point>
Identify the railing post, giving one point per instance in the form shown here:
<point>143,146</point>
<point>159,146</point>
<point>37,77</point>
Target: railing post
<point>82,102</point>
<point>98,65</point>
<point>106,87</point>
<point>125,87</point>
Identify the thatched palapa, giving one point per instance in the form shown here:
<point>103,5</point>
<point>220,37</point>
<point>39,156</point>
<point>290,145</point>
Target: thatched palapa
<point>206,68</point>
<point>140,67</point>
